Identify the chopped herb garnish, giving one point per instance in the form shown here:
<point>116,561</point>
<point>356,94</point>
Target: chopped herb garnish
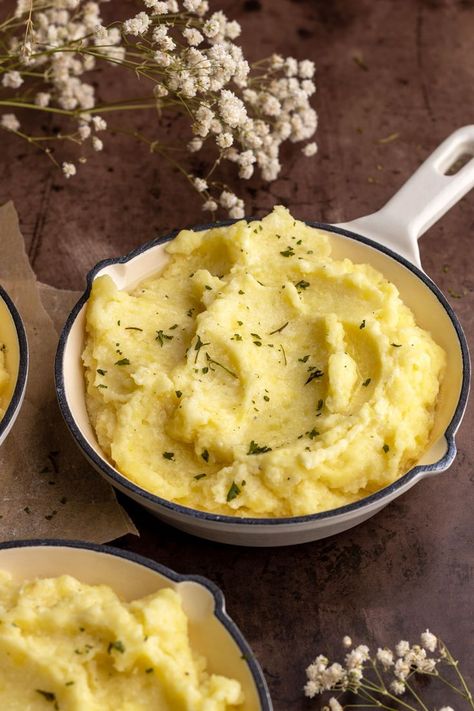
<point>168,455</point>
<point>320,405</point>
<point>69,683</point>
<point>386,448</point>
<point>102,386</point>
<point>254,448</point>
<point>366,382</point>
<point>205,455</point>
<point>284,354</point>
<point>362,325</point>
<point>198,345</point>
<point>304,359</point>
<point>313,433</point>
<point>211,362</point>
<point>161,337</point>
<point>118,323</point>
<point>255,335</point>
<point>149,670</point>
<point>209,288</point>
<point>396,345</point>
<point>171,328</point>
<point>178,393</point>
<point>118,645</point>
<point>199,476</point>
<point>233,491</point>
<point>48,695</point>
<point>101,372</point>
<point>288,252</point>
<point>205,370</point>
<point>315,373</point>
<point>266,398</point>
<point>241,323</point>
<point>123,361</point>
<point>236,337</point>
<point>241,292</point>
<point>302,284</point>
<point>133,328</point>
<point>27,509</point>
<point>257,343</point>
<point>279,330</point>
<point>189,312</point>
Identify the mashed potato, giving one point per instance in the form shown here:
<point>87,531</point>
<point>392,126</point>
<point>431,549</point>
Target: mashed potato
<point>4,380</point>
<point>74,647</point>
<point>258,376</point>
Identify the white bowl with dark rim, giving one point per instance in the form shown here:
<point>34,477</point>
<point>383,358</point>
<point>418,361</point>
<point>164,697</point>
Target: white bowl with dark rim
<point>13,336</point>
<point>212,632</point>
<point>388,241</point>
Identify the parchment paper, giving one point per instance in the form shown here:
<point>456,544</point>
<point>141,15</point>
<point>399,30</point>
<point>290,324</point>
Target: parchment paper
<point>48,489</point>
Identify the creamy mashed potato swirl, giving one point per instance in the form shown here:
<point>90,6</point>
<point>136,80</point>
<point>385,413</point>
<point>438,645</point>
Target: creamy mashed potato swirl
<point>258,376</point>
<point>69,646</point>
<point>4,380</point>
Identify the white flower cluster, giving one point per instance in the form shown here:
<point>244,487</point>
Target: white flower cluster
<point>246,119</point>
<point>400,665</point>
<point>188,58</point>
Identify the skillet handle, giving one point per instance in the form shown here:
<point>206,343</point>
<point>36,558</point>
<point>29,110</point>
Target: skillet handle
<point>423,199</point>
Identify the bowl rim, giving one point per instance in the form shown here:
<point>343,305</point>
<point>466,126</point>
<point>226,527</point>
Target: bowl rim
<point>219,599</point>
<point>390,491</point>
<point>23,359</point>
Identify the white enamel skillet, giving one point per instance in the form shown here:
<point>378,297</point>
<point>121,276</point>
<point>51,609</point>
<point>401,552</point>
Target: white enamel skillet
<point>13,340</point>
<point>388,241</point>
<point>211,631</point>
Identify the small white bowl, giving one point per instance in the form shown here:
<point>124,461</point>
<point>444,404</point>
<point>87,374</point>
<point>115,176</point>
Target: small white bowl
<point>13,335</point>
<point>422,200</point>
<point>213,634</point>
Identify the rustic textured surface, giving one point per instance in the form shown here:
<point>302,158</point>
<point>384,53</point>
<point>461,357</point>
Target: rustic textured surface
<point>412,565</point>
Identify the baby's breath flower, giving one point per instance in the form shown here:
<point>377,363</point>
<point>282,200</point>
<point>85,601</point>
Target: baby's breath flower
<point>310,149</point>
<point>137,25</point>
<point>346,641</point>
<point>402,648</point>
<point>192,36</point>
<point>446,708</point>
<point>385,657</point>
<point>10,122</point>
<point>402,669</point>
<point>428,641</point>
<point>69,169</point>
<point>306,69</point>
<point>12,80</point>
<point>99,123</point>
<point>334,704</point>
<point>228,199</point>
<point>398,687</point>
<point>224,140</point>
<point>210,206</point>
<point>237,212</point>
<point>195,144</point>
<point>84,131</point>
<point>200,184</point>
<point>97,144</point>
<point>232,109</point>
<point>42,99</point>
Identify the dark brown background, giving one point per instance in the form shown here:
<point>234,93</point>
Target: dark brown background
<point>411,566</point>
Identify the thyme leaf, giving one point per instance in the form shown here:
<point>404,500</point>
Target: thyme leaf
<point>255,448</point>
<point>314,374</point>
<point>123,361</point>
<point>211,361</point>
<point>233,491</point>
<point>279,330</point>
<point>161,337</point>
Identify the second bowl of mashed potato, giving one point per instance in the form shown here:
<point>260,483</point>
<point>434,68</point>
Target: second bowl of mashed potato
<point>261,372</point>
